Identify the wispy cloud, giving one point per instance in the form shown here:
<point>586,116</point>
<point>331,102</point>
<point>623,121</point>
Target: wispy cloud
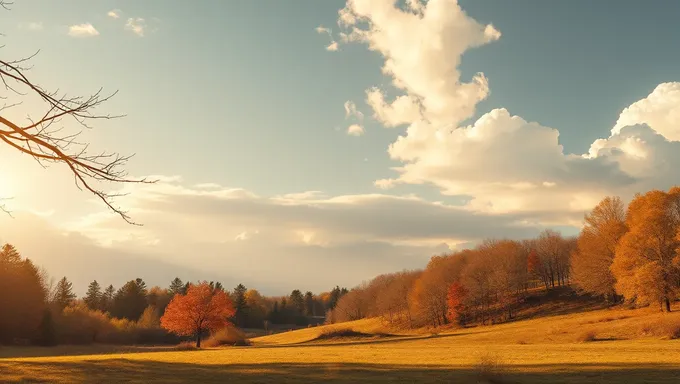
<point>114,13</point>
<point>82,30</point>
<point>333,46</point>
<point>351,111</point>
<point>32,26</point>
<point>136,25</point>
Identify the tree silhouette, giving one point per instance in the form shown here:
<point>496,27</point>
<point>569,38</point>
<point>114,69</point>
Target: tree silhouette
<point>52,134</point>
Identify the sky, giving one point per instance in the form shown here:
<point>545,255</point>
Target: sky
<point>308,144</point>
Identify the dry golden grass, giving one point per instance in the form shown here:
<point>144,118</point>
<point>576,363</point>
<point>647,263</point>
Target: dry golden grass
<point>532,351</point>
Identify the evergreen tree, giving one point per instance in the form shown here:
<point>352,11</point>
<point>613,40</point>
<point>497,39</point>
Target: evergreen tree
<point>93,297</point>
<point>309,304</point>
<point>130,300</point>
<point>63,295</point>
<point>239,299</point>
<point>107,298</point>
<point>298,301</point>
<point>47,335</point>
<point>176,287</point>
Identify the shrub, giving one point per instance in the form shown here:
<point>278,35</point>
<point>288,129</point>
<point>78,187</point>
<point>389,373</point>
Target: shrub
<point>587,336</point>
<point>666,327</point>
<point>226,336</point>
<point>186,346</point>
<point>490,369</point>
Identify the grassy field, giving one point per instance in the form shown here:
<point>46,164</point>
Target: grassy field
<point>605,346</point>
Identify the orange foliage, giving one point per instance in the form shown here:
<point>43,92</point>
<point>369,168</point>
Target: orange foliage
<point>533,263</point>
<point>201,309</point>
<point>455,301</point>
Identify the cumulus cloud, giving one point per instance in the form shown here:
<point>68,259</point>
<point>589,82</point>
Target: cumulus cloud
<point>501,163</point>
<point>660,110</point>
<point>114,13</point>
<point>136,25</point>
<point>355,130</point>
<point>422,45</point>
<point>83,30</point>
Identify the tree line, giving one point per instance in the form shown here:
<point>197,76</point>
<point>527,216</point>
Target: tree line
<point>41,311</point>
<point>622,254</point>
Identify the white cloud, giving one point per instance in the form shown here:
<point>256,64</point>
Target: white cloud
<point>333,46</point>
<point>660,110</point>
<point>114,13</point>
<point>136,25</point>
<point>195,232</point>
<point>83,30</point>
<point>355,130</point>
<point>422,46</point>
<point>502,164</point>
<point>351,111</point>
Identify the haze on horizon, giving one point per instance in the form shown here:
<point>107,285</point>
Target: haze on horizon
<point>327,142</point>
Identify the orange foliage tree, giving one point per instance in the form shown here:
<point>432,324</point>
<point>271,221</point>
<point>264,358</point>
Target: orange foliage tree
<point>455,302</point>
<point>591,261</point>
<point>201,309</point>
<point>646,261</point>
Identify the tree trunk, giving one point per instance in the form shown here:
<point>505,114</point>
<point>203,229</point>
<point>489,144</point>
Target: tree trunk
<point>198,339</point>
<point>668,305</point>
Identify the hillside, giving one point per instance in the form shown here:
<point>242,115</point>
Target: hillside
<point>608,346</point>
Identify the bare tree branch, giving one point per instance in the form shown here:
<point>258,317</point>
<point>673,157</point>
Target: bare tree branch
<point>47,144</point>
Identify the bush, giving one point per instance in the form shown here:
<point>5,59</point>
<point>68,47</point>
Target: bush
<point>587,336</point>
<point>226,336</point>
<point>490,369</point>
<point>186,346</point>
<point>80,325</point>
<point>667,327</point>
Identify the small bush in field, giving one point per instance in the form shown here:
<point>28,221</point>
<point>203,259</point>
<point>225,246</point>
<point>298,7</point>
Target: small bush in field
<point>226,336</point>
<point>186,346</point>
<point>587,336</point>
<point>666,327</point>
<point>490,369</point>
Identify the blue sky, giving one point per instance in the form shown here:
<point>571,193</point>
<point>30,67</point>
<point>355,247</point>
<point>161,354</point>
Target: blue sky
<point>243,94</point>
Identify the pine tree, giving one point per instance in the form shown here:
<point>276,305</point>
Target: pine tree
<point>176,287</point>
<point>93,297</point>
<point>239,299</point>
<point>64,295</point>
<point>107,298</point>
<point>309,304</point>
<point>130,300</point>
<point>298,301</point>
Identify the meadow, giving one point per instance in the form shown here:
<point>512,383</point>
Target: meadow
<point>603,346</point>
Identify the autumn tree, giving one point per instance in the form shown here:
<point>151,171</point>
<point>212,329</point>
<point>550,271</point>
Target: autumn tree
<point>201,309</point>
<point>93,297</point>
<point>51,132</point>
<point>646,262</point>
<point>22,296</point>
<point>554,252</point>
<point>596,246</point>
<point>455,303</point>
<point>63,294</point>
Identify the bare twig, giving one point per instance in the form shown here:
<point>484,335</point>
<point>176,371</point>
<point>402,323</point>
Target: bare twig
<point>46,144</point>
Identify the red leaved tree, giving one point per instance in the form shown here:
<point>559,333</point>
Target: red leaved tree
<point>201,309</point>
<point>455,302</point>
